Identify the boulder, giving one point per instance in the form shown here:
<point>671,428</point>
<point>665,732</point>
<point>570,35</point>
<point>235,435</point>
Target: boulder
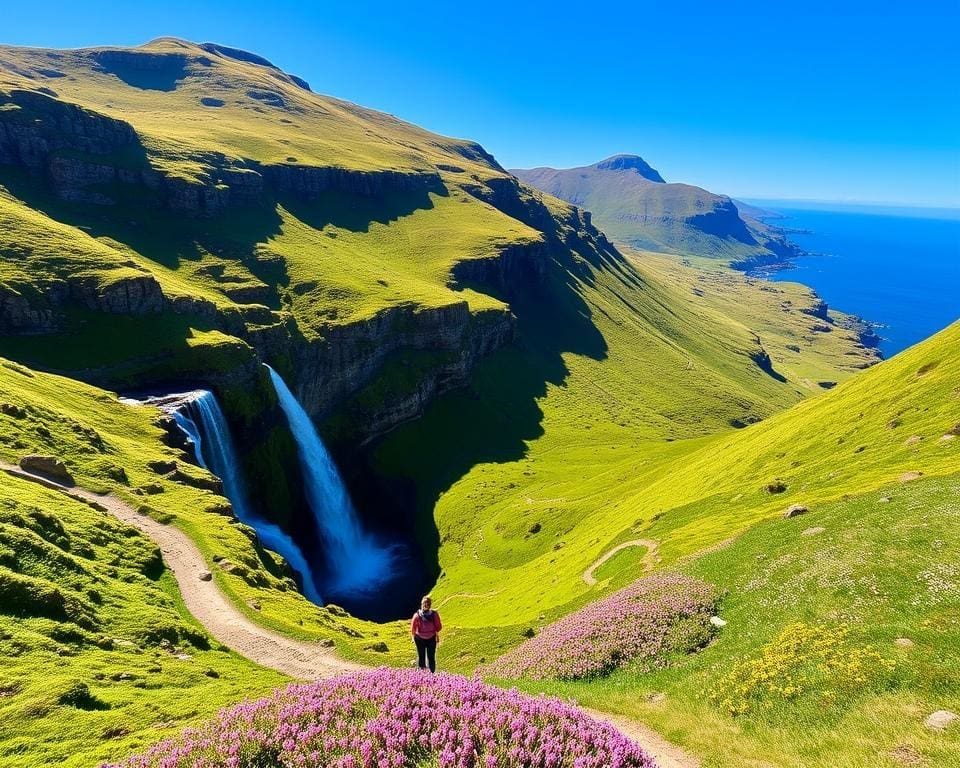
<point>48,466</point>
<point>208,483</point>
<point>903,642</point>
<point>222,508</point>
<point>813,531</point>
<point>205,576</point>
<point>941,720</point>
<point>717,621</point>
<point>906,477</point>
<point>163,467</point>
<point>795,510</point>
<point>380,647</point>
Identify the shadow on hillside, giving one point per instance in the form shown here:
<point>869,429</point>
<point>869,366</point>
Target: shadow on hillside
<point>146,71</point>
<point>357,212</point>
<point>165,237</point>
<point>490,421</point>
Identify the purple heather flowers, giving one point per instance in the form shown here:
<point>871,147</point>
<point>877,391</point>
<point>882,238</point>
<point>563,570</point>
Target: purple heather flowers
<point>643,623</point>
<point>390,718</point>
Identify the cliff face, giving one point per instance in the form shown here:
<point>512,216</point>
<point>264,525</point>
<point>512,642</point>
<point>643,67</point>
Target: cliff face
<point>348,357</point>
<point>82,156</point>
<point>34,125</point>
<point>192,212</point>
<point>90,157</point>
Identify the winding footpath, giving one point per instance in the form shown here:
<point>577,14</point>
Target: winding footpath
<point>216,612</point>
<point>649,557</point>
<point>301,660</point>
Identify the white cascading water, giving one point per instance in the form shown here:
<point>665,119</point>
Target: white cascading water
<point>357,563</point>
<point>216,452</point>
<point>189,427</point>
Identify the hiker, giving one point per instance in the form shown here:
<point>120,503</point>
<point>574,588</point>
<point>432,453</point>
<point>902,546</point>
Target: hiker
<point>425,629</point>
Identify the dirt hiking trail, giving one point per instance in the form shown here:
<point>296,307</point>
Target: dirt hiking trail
<point>220,617</point>
<point>301,660</point>
<point>649,557</point>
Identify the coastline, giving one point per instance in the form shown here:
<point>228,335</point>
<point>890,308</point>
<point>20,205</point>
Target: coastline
<point>784,252</point>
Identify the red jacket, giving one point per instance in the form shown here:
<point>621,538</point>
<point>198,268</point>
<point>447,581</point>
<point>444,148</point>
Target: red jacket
<point>424,627</point>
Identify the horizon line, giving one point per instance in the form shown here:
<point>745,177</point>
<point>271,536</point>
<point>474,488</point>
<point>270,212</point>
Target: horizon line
<point>848,202</point>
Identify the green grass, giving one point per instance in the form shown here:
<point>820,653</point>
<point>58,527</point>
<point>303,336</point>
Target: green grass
<point>108,446</point>
<point>179,129</point>
<point>888,570</point>
<point>614,415</point>
<point>124,666</point>
<point>580,457</point>
<point>339,259</point>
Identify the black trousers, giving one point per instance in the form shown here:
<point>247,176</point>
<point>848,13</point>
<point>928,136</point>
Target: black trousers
<point>426,652</point>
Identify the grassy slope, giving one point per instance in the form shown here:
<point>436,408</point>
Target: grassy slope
<point>167,110</point>
<point>340,259</point>
<point>889,570</point>
<point>591,482</point>
<point>802,348</point>
<point>108,446</point>
<point>146,668</point>
<point>596,422</point>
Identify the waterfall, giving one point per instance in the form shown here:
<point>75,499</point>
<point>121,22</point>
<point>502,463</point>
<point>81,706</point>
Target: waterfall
<point>357,563</point>
<point>215,451</point>
<point>189,427</point>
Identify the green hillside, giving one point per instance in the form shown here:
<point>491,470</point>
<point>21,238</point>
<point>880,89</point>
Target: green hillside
<point>590,474</point>
<point>371,262</point>
<point>490,372</point>
<point>879,565</point>
<point>632,203</point>
<point>874,461</point>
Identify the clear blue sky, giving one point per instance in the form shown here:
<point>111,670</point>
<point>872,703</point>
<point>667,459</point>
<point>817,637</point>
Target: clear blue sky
<point>822,100</point>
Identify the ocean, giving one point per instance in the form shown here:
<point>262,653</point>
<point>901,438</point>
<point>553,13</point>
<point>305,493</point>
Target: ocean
<point>899,269</point>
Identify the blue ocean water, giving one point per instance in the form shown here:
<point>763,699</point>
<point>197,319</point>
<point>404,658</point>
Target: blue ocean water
<point>896,269</point>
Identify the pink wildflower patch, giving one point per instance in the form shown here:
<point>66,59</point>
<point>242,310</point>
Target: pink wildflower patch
<point>642,624</point>
<point>400,719</point>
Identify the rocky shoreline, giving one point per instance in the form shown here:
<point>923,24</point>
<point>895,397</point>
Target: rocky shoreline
<point>765,267</point>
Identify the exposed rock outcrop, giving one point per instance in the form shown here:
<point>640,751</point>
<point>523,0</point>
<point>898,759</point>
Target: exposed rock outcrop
<point>47,466</point>
<point>17,315</point>
<point>34,126</point>
<point>795,510</point>
<point>512,269</point>
<point>348,357</point>
<point>308,182</point>
<point>88,157</point>
<point>941,720</point>
<point>132,294</point>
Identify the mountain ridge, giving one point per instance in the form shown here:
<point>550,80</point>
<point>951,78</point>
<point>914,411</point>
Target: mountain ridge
<point>633,203</point>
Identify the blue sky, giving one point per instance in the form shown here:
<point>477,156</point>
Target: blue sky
<point>816,100</point>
